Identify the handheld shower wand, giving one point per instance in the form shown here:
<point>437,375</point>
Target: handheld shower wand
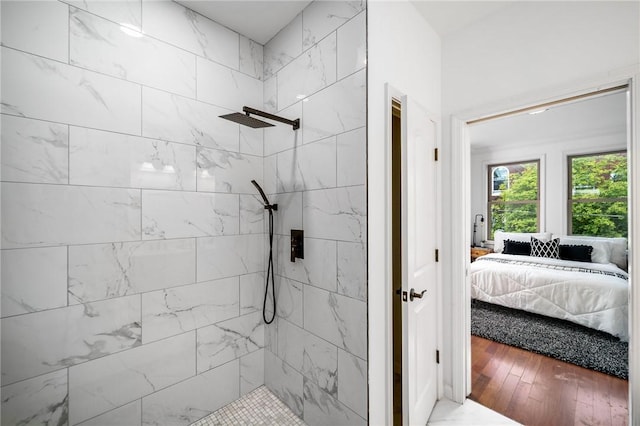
<point>270,270</point>
<point>267,204</point>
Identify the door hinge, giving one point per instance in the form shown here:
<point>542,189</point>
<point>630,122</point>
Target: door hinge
<point>435,154</point>
<point>437,356</point>
<point>437,255</point>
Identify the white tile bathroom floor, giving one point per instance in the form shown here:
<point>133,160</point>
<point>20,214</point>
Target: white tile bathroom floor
<point>258,407</point>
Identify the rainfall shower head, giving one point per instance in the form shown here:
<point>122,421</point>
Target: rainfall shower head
<point>246,120</point>
<point>267,204</point>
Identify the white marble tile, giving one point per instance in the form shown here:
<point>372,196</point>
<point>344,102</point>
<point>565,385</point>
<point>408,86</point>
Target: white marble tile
<point>102,46</point>
<point>284,382</point>
<point>320,408</point>
<point>338,108</point>
<point>314,357</point>
<point>38,27</point>
<point>175,24</point>
<point>228,88</point>
<point>352,270</point>
<point>270,95</point>
<point>251,141</point>
<point>251,371</point>
<point>311,166</point>
<point>34,151</point>
<point>470,413</point>
<point>227,340</point>
<point>175,118</point>
<point>289,214</point>
<point>352,158</point>
<point>226,256</point>
<point>337,214</point>
<point>121,11</point>
<point>352,382</point>
<point>318,268</point>
<point>224,171</point>
<point>113,159</point>
<point>337,319</point>
<point>129,414</point>
<point>33,280</point>
<point>270,168</point>
<point>176,310</point>
<point>32,215</point>
<point>171,214</point>
<point>251,292</point>
<point>283,137</point>
<point>41,400</point>
<point>112,381</point>
<point>323,17</point>
<point>252,215</point>
<point>308,73</point>
<point>271,337</point>
<point>289,300</point>
<point>102,271</point>
<point>251,57</point>
<point>186,402</point>
<point>74,96</point>
<point>46,341</point>
<point>283,47</point>
<point>352,46</point>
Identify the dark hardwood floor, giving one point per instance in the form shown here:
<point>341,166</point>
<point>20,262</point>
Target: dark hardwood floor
<point>537,390</point>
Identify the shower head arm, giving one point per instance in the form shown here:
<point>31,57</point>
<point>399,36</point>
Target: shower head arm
<point>295,123</point>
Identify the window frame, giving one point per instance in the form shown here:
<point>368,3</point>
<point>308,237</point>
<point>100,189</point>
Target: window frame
<point>489,193</point>
<point>571,200</point>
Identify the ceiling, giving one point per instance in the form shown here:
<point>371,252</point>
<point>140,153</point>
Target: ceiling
<point>600,115</point>
<point>260,20</point>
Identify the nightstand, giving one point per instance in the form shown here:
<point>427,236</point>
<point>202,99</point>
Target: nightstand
<point>476,252</point>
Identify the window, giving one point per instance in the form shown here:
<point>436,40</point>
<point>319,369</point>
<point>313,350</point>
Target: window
<point>513,201</point>
<point>598,194</point>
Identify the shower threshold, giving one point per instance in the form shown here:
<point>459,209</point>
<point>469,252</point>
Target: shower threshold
<point>258,407</point>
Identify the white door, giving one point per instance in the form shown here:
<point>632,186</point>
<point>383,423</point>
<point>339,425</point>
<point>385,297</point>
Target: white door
<point>419,316</point>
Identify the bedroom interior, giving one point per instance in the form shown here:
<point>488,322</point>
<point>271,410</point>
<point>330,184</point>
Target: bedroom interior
<point>557,174</point>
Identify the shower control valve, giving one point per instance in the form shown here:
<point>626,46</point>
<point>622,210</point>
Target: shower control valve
<point>297,244</point>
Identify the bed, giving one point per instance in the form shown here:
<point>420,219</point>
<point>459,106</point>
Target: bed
<point>593,294</point>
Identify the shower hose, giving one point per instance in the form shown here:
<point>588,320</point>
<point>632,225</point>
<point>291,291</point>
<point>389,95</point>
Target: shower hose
<point>269,272</point>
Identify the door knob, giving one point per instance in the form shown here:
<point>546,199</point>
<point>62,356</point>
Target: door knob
<point>414,295</point>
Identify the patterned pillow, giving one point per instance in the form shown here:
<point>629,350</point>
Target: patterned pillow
<point>550,249</point>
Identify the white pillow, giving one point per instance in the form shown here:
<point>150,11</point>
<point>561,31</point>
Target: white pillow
<point>601,249</point>
<point>618,247</point>
<point>500,236</point>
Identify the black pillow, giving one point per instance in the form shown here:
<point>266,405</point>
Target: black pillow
<point>550,249</point>
<point>576,252</point>
<point>522,248</point>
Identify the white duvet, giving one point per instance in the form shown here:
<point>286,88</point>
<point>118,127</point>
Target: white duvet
<point>555,288</point>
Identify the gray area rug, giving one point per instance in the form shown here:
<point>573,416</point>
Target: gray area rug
<point>552,337</point>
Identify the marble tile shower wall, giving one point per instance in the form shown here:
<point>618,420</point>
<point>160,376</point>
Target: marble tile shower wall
<point>132,239</point>
<point>316,356</point>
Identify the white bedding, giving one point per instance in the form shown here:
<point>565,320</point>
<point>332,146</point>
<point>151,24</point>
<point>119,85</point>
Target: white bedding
<point>556,288</point>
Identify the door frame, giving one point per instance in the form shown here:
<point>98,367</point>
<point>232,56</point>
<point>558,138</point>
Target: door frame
<point>380,323</point>
<point>460,208</point>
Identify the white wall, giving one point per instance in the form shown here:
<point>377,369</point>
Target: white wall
<point>521,55</point>
<point>553,174</point>
<point>404,52</point>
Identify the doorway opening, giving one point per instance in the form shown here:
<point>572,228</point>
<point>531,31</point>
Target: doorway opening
<point>396,233</point>
<point>493,367</point>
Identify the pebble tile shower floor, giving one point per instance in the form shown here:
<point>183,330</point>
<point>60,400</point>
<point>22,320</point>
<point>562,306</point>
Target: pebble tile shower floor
<point>259,407</point>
